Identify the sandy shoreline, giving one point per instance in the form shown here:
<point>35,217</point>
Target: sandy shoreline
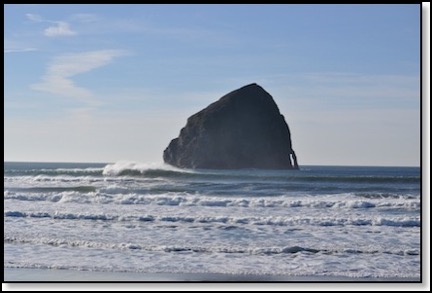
<point>52,275</point>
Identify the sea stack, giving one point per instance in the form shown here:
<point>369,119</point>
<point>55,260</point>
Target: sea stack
<point>243,129</point>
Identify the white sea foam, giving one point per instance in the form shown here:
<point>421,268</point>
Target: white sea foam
<point>72,170</point>
<point>121,166</point>
<point>155,218</point>
<point>270,220</point>
<point>289,260</point>
<point>114,194</point>
<point>227,249</point>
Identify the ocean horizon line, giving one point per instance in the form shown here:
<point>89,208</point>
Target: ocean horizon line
<point>301,165</point>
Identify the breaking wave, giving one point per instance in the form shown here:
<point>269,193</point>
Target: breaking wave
<point>126,168</point>
<point>203,249</point>
<point>156,170</point>
<point>88,194</point>
<point>272,221</point>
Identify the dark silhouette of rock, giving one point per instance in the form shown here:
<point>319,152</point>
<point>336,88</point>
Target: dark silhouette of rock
<point>243,129</point>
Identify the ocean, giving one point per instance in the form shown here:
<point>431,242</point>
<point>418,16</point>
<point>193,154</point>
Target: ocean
<point>359,222</point>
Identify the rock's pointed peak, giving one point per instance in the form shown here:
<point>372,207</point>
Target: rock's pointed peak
<point>250,87</point>
<point>247,92</point>
<point>254,84</point>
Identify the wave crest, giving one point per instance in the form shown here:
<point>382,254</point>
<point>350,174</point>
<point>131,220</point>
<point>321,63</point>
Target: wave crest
<point>130,168</point>
<point>230,220</point>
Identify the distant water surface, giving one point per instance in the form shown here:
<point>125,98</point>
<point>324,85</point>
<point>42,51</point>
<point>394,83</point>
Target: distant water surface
<point>128,217</point>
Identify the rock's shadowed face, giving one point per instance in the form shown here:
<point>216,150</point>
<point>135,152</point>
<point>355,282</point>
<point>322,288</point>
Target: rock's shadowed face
<point>243,129</point>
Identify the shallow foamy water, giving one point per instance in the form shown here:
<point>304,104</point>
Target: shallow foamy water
<point>129,217</point>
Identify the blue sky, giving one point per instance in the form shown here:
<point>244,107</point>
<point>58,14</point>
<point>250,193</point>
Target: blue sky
<point>103,83</point>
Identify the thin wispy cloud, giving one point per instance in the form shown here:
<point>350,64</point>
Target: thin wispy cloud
<point>59,29</point>
<point>369,89</point>
<point>84,17</point>
<point>58,77</point>
<point>11,46</point>
<point>347,89</point>
<point>34,17</point>
<point>18,50</point>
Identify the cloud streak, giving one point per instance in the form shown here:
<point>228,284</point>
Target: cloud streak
<point>16,47</point>
<point>34,17</point>
<point>19,50</point>
<point>59,29</point>
<point>58,77</point>
<point>84,17</point>
<point>348,90</point>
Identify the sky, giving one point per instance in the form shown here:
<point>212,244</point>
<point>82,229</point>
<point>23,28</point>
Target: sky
<point>108,83</point>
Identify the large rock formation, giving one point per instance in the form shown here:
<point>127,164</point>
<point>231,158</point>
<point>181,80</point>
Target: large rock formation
<point>243,129</point>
